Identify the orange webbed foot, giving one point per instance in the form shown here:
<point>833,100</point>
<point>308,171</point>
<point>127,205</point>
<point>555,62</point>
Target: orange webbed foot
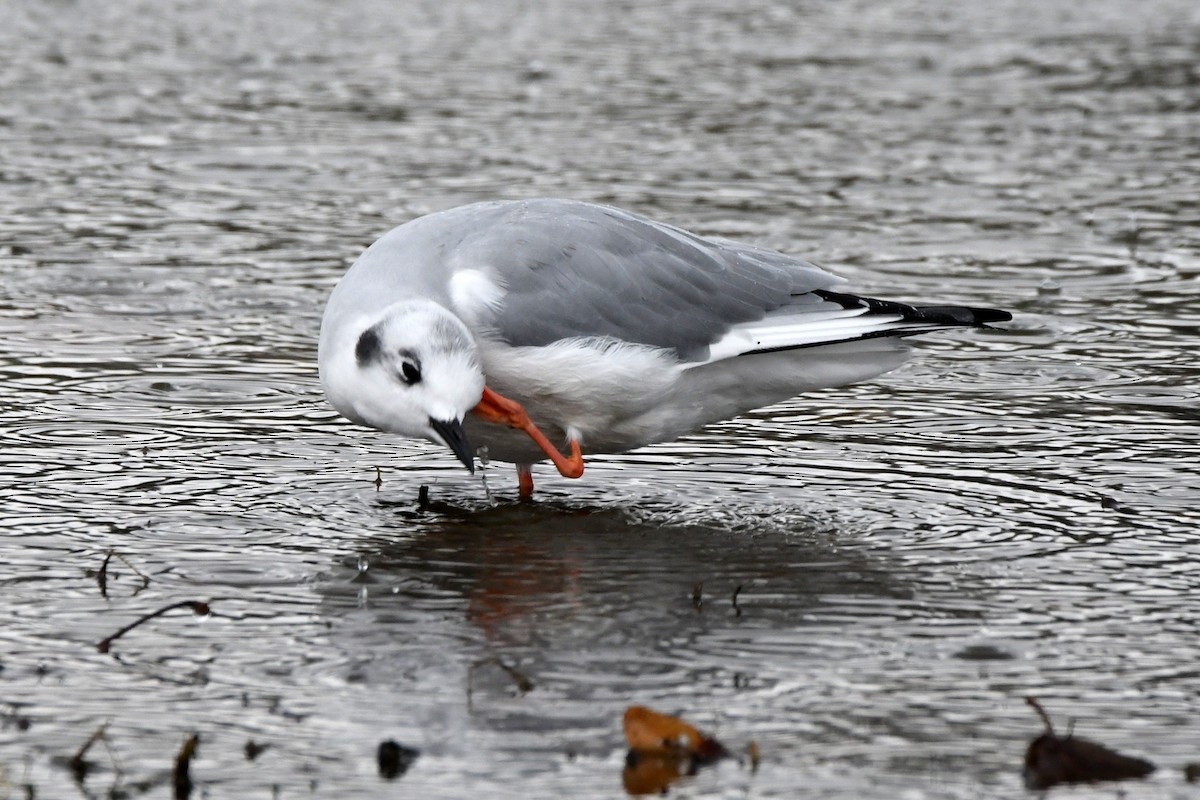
<point>499,409</point>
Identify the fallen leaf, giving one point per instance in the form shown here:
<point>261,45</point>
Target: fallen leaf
<point>394,759</point>
<point>663,749</point>
<point>1052,759</point>
<point>648,730</point>
<point>652,771</point>
<point>253,749</point>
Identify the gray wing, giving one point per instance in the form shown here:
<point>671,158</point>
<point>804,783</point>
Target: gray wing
<point>576,269</point>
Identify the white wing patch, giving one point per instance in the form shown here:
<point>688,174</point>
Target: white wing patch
<point>820,323</point>
<point>475,295</point>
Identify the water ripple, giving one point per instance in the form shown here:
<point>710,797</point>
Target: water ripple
<point>865,581</point>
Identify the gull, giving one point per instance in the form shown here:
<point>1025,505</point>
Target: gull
<point>531,328</point>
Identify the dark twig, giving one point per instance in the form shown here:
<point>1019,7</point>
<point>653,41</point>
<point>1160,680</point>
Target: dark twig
<point>102,575</point>
<point>196,606</point>
<point>1041,712</point>
<point>145,578</point>
<point>78,763</point>
<point>523,681</point>
<point>180,776</point>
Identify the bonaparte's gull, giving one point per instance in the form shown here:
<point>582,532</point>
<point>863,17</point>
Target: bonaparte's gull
<point>517,325</point>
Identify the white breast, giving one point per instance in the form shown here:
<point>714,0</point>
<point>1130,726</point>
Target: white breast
<point>593,388</point>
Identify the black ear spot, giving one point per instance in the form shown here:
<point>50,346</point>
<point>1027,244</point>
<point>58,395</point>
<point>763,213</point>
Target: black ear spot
<point>367,349</point>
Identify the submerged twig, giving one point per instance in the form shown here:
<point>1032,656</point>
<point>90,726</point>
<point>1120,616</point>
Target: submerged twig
<point>145,578</point>
<point>753,756</point>
<point>181,778</point>
<point>524,684</point>
<point>78,763</point>
<point>102,573</point>
<point>197,607</point>
<point>1033,703</point>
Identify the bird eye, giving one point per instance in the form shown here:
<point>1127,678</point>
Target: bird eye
<point>410,373</point>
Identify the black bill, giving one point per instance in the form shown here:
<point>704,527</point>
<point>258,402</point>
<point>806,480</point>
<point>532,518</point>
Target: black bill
<point>451,431</point>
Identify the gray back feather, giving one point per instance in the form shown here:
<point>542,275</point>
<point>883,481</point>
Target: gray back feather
<point>577,269</point>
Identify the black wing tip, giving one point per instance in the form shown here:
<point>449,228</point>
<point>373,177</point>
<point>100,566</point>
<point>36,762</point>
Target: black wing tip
<point>937,315</point>
<point>964,315</point>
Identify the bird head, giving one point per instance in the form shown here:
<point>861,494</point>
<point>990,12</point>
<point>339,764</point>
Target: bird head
<point>412,369</point>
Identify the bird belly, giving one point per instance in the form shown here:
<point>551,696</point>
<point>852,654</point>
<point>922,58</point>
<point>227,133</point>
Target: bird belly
<point>589,388</point>
<point>683,400</point>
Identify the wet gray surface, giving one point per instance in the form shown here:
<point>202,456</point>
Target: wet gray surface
<point>1009,514</point>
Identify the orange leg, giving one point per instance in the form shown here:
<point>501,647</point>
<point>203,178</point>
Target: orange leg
<point>496,408</point>
<point>525,481</point>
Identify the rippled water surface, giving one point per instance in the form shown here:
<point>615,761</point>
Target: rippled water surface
<point>1012,513</point>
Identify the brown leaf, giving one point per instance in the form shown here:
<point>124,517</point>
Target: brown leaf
<point>648,731</point>
<point>652,771</point>
<point>1052,759</point>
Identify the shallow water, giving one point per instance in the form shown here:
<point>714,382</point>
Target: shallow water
<point>1010,514</point>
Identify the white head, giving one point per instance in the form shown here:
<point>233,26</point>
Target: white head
<point>413,370</point>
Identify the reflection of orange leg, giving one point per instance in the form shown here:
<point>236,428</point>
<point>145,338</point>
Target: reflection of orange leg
<point>525,481</point>
<point>496,408</point>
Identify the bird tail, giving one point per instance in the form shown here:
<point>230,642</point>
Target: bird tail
<point>934,316</point>
<point>821,317</point>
